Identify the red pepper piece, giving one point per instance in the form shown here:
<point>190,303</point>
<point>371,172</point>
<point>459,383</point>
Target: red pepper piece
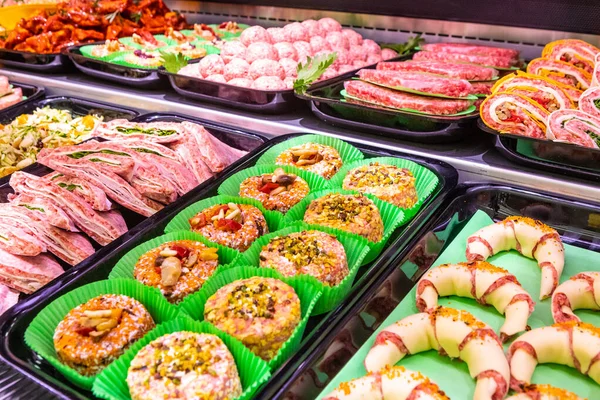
<point>228,225</point>
<point>182,252</point>
<point>268,187</point>
<point>157,270</point>
<point>84,331</point>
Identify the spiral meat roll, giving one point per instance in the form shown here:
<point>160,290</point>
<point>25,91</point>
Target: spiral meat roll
<point>484,282</point>
<point>561,71</point>
<point>455,333</point>
<point>396,383</point>
<point>582,291</point>
<point>549,94</point>
<point>573,51</point>
<point>589,102</point>
<point>515,114</point>
<point>573,344</point>
<point>531,238</point>
<point>574,126</point>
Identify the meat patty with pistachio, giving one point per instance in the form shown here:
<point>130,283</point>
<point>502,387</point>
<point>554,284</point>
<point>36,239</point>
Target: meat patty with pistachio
<point>260,312</point>
<point>232,225</point>
<point>354,213</point>
<point>314,157</point>
<point>314,253</point>
<point>278,191</point>
<point>177,268</point>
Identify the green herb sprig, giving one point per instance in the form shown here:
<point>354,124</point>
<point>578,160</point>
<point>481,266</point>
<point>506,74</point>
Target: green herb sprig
<point>173,62</point>
<point>312,70</point>
<point>412,44</point>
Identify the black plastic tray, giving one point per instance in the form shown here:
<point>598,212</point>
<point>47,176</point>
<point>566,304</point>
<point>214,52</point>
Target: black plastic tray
<point>327,105</point>
<point>76,105</point>
<point>14,322</point>
<point>55,62</point>
<point>261,101</point>
<point>560,158</point>
<point>318,361</point>
<point>133,77</point>
<point>32,93</point>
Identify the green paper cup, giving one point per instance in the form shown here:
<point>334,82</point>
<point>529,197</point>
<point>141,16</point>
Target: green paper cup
<point>161,38</point>
<point>210,49</point>
<point>307,292</point>
<point>39,334</point>
<point>121,60</point>
<point>124,268</point>
<point>87,52</point>
<point>231,186</point>
<point>356,250</point>
<point>392,218</point>
<point>425,179</point>
<point>348,153</point>
<point>254,372</point>
<point>181,221</point>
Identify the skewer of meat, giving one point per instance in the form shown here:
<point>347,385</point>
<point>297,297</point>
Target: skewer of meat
<point>581,291</point>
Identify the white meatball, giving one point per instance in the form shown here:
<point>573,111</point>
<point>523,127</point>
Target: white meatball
<point>337,41</point>
<point>330,25</point>
<point>329,73</point>
<point>373,59</point>
<point>371,47</point>
<point>233,49</point>
<point>304,50</point>
<point>319,43</point>
<point>297,32</point>
<point>286,50</point>
<point>265,67</point>
<point>211,64</point>
<point>269,83</point>
<point>216,78</point>
<point>191,70</point>
<point>242,82</point>
<point>352,36</point>
<point>357,52</point>
<point>255,34</point>
<point>289,66</point>
<point>236,68</point>
<point>278,35</point>
<point>387,54</point>
<point>260,51</point>
<point>313,27</point>
<point>289,82</point>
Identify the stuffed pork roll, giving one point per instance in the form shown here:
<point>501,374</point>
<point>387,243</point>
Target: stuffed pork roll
<point>573,51</point>
<point>374,94</point>
<point>596,74</point>
<point>589,102</point>
<point>515,114</point>
<point>548,93</point>
<point>561,71</point>
<point>417,81</point>
<point>490,61</point>
<point>574,126</point>
<point>469,72</point>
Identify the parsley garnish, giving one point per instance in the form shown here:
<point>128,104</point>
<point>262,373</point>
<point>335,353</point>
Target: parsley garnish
<point>404,48</point>
<point>173,62</point>
<point>135,17</point>
<point>312,70</point>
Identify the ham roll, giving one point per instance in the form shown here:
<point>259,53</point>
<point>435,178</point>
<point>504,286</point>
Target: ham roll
<point>582,291</point>
<point>396,383</point>
<point>418,81</point>
<point>515,114</point>
<point>478,59</point>
<point>472,49</point>
<point>574,126</point>
<point>469,72</point>
<point>455,333</point>
<point>548,93</point>
<point>589,102</point>
<point>561,71</point>
<point>531,238</point>
<point>573,51</point>
<point>484,282</point>
<point>544,392</point>
<point>394,99</point>
<point>596,74</point>
<point>573,344</point>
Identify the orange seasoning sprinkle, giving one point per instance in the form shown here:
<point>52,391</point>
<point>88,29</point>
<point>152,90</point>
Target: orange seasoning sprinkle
<point>458,315</point>
<point>531,222</point>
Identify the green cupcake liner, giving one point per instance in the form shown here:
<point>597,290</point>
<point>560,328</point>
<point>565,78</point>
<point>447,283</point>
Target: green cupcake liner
<point>254,372</point>
<point>231,186</point>
<point>161,38</point>
<point>228,35</point>
<point>348,153</point>
<point>210,49</point>
<point>126,265</point>
<point>87,52</point>
<point>425,179</point>
<point>356,250</point>
<point>307,292</point>
<point>39,334</point>
<point>120,60</point>
<point>181,221</point>
<point>392,218</point>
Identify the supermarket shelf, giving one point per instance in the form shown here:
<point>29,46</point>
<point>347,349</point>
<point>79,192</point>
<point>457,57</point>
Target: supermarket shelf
<point>476,159</point>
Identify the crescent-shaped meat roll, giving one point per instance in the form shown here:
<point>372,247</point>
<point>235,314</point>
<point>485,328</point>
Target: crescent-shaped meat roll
<point>544,392</point>
<point>516,114</point>
<point>391,383</point>
<point>574,344</point>
<point>531,238</point>
<point>484,282</point>
<point>582,291</point>
<point>455,333</point>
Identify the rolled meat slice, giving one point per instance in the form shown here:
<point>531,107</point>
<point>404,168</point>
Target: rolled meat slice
<point>488,61</point>
<point>47,208</point>
<point>464,48</point>
<point>27,274</point>
<point>393,99</point>
<point>157,132</point>
<point>455,333</point>
<point>424,83</point>
<point>548,93</point>
<point>396,383</point>
<point>574,126</point>
<point>484,282</point>
<point>515,114</point>
<point>19,241</point>
<point>573,51</point>
<point>92,195</point>
<point>581,291</point>
<point>544,392</point>
<point>469,72</point>
<point>560,71</point>
<point>11,99</point>
<point>573,344</point>
<point>8,298</point>
<point>596,74</point>
<point>531,238</point>
<point>589,102</point>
